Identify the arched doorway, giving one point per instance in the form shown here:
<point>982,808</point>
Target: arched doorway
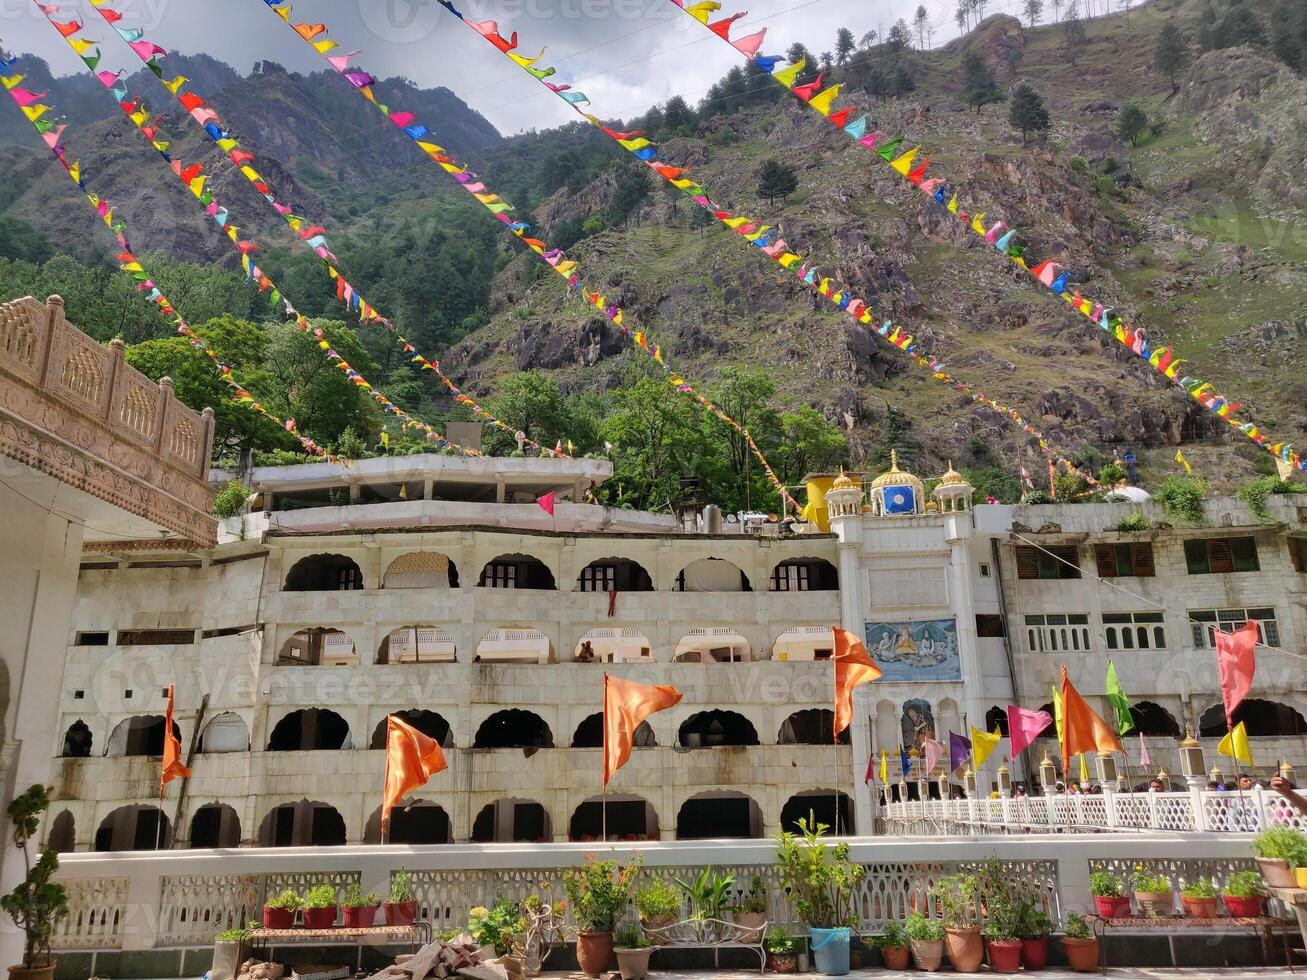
<point>62,837</point>
<point>77,741</point>
<point>804,575</point>
<point>227,732</point>
<point>629,818</point>
<point>139,735</point>
<point>713,645</point>
<point>707,729</point>
<point>1259,718</point>
<point>614,575</point>
<point>421,570</point>
<point>134,828</point>
<point>412,822</point>
<point>303,824</point>
<point>429,723</point>
<point>718,813</point>
<point>804,643</point>
<point>996,717</point>
<point>514,728</point>
<point>514,645</point>
<point>611,644</point>
<point>516,572</point>
<point>590,734</point>
<point>309,729</point>
<point>512,821</point>
<point>1151,718</point>
<point>215,825</point>
<point>711,575</point>
<point>827,806</point>
<point>417,645</point>
<point>318,646</point>
<point>324,573</point>
<point>811,726</point>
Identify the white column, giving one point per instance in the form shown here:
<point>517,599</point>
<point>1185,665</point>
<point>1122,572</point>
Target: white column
<point>957,530</point>
<point>853,616</point>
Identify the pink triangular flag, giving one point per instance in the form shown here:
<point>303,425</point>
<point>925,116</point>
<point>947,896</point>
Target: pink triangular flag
<point>547,503</point>
<point>1144,761</point>
<point>749,45</point>
<point>932,750</point>
<point>1024,726</point>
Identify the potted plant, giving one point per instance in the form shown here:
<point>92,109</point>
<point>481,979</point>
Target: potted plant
<point>1110,899</point>
<point>360,906</point>
<point>1198,898</point>
<point>36,903</point>
<point>1153,893</point>
<point>320,907</point>
<point>633,952</point>
<point>820,881</point>
<point>279,911</point>
<point>1279,851</point>
<point>598,892</point>
<point>1080,945</point>
<point>956,895</point>
<point>892,944</point>
<point>708,895</point>
<point>782,950</point>
<point>1002,944</point>
<point>750,913</point>
<point>926,935</point>
<point>229,952</point>
<point>1033,927</point>
<point>659,904</point>
<point>402,908</point>
<point>502,927</point>
<point>1245,894</point>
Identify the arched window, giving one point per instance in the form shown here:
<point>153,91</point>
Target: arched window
<point>712,575</point>
<point>512,821</point>
<point>227,732</point>
<point>139,735</point>
<point>827,806</point>
<point>804,575</point>
<point>713,645</point>
<point>303,824</point>
<point>309,729</point>
<point>590,734</point>
<point>811,726</point>
<point>516,572</point>
<point>718,813</point>
<point>412,822</point>
<point>713,728</point>
<point>804,643</point>
<point>614,575</point>
<point>63,833</point>
<point>77,741</point>
<point>1259,718</point>
<point>134,828</point>
<point>318,646</point>
<point>324,573</point>
<point>514,728</point>
<point>514,645</point>
<point>427,722</point>
<point>996,717</point>
<point>417,645</point>
<point>629,818</point>
<point>1152,719</point>
<point>421,570</point>
<point>215,825</point>
<point>613,644</point>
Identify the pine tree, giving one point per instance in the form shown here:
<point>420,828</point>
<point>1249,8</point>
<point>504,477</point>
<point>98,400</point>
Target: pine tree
<point>1034,10</point>
<point>1057,9</point>
<point>867,40</point>
<point>1027,112</point>
<point>978,82</point>
<point>900,37</point>
<point>962,16</point>
<point>1171,56</point>
<point>678,116</point>
<point>775,180</point>
<point>844,45</point>
<point>919,20</point>
<point>1073,29</point>
<point>1132,122</point>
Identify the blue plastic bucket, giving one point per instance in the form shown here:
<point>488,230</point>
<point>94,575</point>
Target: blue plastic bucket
<point>830,950</point>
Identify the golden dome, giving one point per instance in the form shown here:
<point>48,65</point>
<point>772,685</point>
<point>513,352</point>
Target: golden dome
<point>843,482</point>
<point>894,476</point>
<point>952,478</point>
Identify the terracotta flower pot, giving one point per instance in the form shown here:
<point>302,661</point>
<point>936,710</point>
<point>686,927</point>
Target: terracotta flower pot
<point>633,963</point>
<point>1155,904</point>
<point>1277,873</point>
<point>594,952</point>
<point>789,962</point>
<point>928,954</point>
<point>1244,908</point>
<point>1198,908</point>
<point>360,916</point>
<point>1004,955</point>
<point>1034,953</point>
<point>1081,954</point>
<point>1112,906</point>
<point>34,973</point>
<point>896,957</point>
<point>400,913</point>
<point>964,948</point>
<point>320,918</point>
<point>278,918</point>
<point>748,926</point>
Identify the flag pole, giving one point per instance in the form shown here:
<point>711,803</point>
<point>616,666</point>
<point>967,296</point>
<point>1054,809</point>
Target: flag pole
<point>835,738</point>
<point>603,788</point>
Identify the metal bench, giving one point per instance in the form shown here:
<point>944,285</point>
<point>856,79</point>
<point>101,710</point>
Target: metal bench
<point>1180,925</point>
<point>714,934</point>
<point>264,941</point>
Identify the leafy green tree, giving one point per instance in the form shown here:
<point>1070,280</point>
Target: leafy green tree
<point>844,45</point>
<point>656,437</point>
<point>745,395</point>
<point>810,444</point>
<point>1235,25</point>
<point>775,180</point>
<point>899,38</point>
<point>1131,123</point>
<point>1027,112</point>
<point>979,86</point>
<point>1171,55</point>
<point>20,241</point>
<point>633,186</point>
<point>530,402</point>
<point>317,394</point>
<point>1289,34</point>
<point>1034,11</point>
<point>678,117</point>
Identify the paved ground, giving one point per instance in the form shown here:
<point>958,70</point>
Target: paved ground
<point>1121,973</point>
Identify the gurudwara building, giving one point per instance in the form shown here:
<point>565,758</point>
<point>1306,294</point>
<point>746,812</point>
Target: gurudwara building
<point>435,587</point>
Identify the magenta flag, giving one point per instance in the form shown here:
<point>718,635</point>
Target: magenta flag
<point>1143,752</point>
<point>547,503</point>
<point>1024,726</point>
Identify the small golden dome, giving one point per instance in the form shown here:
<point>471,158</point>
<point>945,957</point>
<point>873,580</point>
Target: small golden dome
<point>843,482</point>
<point>894,476</point>
<point>951,477</point>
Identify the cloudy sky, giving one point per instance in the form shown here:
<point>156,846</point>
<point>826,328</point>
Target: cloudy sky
<point>625,54</point>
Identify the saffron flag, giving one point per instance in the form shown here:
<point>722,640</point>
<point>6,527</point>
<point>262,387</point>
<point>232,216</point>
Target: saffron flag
<point>1024,726</point>
<point>1082,729</point>
<point>983,744</point>
<point>172,750</point>
<point>959,748</point>
<point>411,759</point>
<point>853,666</point>
<point>1235,745</point>
<point>547,503</point>
<point>1236,662</point>
<point>626,705</point>
<point>1117,699</point>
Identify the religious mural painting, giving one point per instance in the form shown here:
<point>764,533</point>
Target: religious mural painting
<point>917,724</point>
<point>918,651</point>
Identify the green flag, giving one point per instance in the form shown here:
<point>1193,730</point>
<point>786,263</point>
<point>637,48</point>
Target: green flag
<point>1119,702</point>
<point>1057,712</point>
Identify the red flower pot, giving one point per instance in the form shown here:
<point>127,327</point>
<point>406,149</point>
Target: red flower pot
<point>1112,906</point>
<point>320,918</point>
<point>1034,953</point>
<point>278,918</point>
<point>360,916</point>
<point>401,913</point>
<point>1004,955</point>
<point>594,952</point>
<point>1244,908</point>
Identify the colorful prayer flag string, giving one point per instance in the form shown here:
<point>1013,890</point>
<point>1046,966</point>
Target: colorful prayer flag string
<point>998,234</point>
<point>362,81</point>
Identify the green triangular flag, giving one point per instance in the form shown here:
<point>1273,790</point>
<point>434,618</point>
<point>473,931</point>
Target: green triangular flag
<point>1117,699</point>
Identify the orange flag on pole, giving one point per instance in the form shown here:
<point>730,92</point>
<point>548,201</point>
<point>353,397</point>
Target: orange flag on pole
<point>1082,729</point>
<point>411,759</point>
<point>626,704</point>
<point>853,666</point>
<point>172,750</point>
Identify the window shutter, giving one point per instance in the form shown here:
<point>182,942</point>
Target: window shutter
<point>1298,554</point>
<point>1068,553</point>
<point>1141,556</point>
<point>1105,556</point>
<point>1027,562</point>
<point>1218,554</point>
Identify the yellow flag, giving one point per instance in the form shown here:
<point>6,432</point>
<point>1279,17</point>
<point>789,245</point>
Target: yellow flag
<point>1179,458</point>
<point>1235,745</point>
<point>1057,713</point>
<point>983,744</point>
<point>904,163</point>
<point>1084,768</point>
<point>403,491</point>
<point>884,768</point>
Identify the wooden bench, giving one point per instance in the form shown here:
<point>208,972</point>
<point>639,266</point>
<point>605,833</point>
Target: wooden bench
<point>714,934</point>
<point>264,941</point>
<point>1181,925</point>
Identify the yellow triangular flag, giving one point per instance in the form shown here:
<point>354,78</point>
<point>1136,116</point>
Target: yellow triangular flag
<point>884,767</point>
<point>1235,745</point>
<point>904,163</point>
<point>953,204</point>
<point>788,76</point>
<point>1179,458</point>
<point>822,100</point>
<point>983,744</point>
<point>403,491</point>
<point>1084,769</point>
